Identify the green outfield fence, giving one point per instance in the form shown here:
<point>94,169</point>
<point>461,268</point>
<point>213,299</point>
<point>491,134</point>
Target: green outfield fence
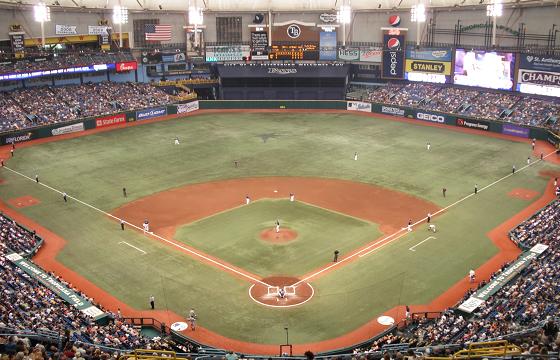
<point>482,125</point>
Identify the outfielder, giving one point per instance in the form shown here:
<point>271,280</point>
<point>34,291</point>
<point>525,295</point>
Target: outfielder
<point>355,156</point>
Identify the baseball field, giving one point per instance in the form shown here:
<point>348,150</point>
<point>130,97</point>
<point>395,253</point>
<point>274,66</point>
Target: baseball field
<point>212,252</point>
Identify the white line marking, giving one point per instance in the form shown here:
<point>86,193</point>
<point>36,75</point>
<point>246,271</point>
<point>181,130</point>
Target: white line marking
<point>361,252</point>
<point>132,246</point>
<point>377,248</point>
<point>421,242</point>
<point>141,229</point>
<point>281,306</point>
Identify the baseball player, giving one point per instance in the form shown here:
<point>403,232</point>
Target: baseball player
<point>292,197</point>
<point>475,188</point>
<point>37,178</point>
<point>355,156</point>
<point>472,275</point>
<point>528,160</point>
<point>281,293</point>
<point>428,146</point>
<point>122,224</point>
<point>533,143</point>
<point>277,226</point>
<point>429,218</point>
<point>65,197</point>
<point>513,169</point>
<point>146,226</point>
<point>247,200</point>
<point>192,319</point>
<point>409,226</point>
<point>176,140</point>
<point>432,228</point>
<point>444,191</point>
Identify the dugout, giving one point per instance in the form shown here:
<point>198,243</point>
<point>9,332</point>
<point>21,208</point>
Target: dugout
<point>283,81</point>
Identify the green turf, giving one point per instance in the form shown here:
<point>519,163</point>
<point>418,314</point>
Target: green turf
<point>391,154</point>
<point>235,236</point>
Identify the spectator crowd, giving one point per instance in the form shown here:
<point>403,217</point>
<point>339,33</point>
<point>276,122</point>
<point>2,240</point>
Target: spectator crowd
<point>36,106</point>
<point>485,104</point>
<point>28,306</point>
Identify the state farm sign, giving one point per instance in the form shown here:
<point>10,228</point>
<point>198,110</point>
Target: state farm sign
<point>126,66</point>
<point>110,120</point>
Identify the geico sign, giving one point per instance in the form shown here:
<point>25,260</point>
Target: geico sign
<point>430,117</point>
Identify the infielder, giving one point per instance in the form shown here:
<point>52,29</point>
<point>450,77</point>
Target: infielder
<point>146,226</point>
<point>528,160</point>
<point>432,228</point>
<point>292,197</point>
<point>277,226</point>
<point>247,200</point>
<point>355,156</point>
<point>428,146</point>
<point>176,141</point>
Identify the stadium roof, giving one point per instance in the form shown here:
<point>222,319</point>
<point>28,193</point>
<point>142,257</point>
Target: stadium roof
<point>264,5</point>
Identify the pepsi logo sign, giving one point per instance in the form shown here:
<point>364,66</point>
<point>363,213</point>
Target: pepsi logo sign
<point>393,44</point>
<point>293,31</point>
<point>394,20</point>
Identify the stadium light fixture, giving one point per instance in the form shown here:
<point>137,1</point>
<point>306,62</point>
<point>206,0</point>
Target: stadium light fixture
<point>494,10</point>
<point>418,15</point>
<point>120,17</point>
<point>344,16</point>
<point>42,15</point>
<point>195,16</point>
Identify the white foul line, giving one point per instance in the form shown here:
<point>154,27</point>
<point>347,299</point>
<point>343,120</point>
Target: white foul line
<point>421,242</point>
<point>132,246</point>
<point>361,252</point>
<point>141,229</point>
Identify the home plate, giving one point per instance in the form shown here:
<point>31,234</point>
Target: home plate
<point>385,320</point>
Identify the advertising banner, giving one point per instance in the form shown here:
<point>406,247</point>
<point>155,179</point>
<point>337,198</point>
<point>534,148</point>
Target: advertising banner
<point>372,55</point>
<point>436,118</point>
<point>17,42</point>
<point>393,54</point>
<point>126,66</point>
<point>65,29</point>
<point>428,67</point>
<point>473,124</point>
<point>188,107</point>
<point>515,130</point>
<point>539,63</point>
<point>227,53</point>
<point>18,138</point>
<point>68,129</point>
<point>173,58</point>
<point>110,120</point>
<point>429,54</point>
<point>348,54</point>
<point>259,42</point>
<point>538,77</point>
<point>358,106</point>
<point>72,70</point>
<point>50,282</point>
<point>97,30</point>
<point>150,113</point>
<point>327,45</point>
<point>392,110</point>
<point>502,279</point>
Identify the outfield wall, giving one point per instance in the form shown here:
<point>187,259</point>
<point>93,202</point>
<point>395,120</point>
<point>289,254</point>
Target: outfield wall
<point>186,107</point>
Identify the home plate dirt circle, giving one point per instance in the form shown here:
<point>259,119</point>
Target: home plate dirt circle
<point>281,237</point>
<point>268,295</point>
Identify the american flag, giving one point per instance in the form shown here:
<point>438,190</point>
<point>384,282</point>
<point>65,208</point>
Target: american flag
<point>158,32</point>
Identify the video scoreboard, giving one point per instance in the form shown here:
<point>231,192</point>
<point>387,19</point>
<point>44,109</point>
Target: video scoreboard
<point>294,52</point>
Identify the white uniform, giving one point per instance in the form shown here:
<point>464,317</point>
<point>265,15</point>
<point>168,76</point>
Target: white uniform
<point>528,160</point>
<point>432,227</point>
<point>247,200</point>
<point>292,197</point>
<point>428,146</point>
<point>355,156</point>
<point>277,226</point>
<point>409,228</point>
<point>471,275</point>
<point>146,226</point>
<point>176,141</point>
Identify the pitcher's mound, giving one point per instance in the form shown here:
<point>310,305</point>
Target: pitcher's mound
<point>279,291</point>
<point>282,237</point>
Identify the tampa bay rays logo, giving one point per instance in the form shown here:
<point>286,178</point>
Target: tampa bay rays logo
<point>293,31</point>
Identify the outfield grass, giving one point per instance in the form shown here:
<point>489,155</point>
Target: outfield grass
<point>392,154</point>
<point>234,236</point>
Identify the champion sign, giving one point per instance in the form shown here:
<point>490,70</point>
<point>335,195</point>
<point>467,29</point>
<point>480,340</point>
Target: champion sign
<point>430,117</point>
<point>150,113</point>
<point>539,77</point>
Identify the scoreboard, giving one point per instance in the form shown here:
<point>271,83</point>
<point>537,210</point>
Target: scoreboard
<point>294,52</point>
